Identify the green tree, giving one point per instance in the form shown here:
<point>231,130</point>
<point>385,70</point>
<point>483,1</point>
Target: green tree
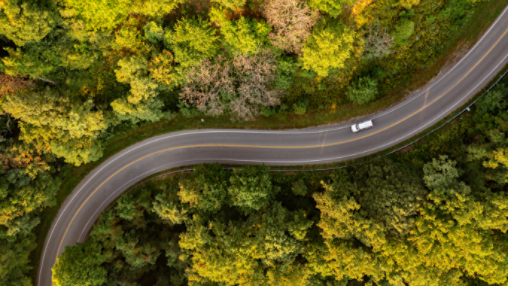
<point>21,199</point>
<point>192,40</point>
<point>168,207</point>
<point>80,265</point>
<point>300,107</point>
<point>71,128</point>
<point>149,110</point>
<point>206,189</point>
<point>240,251</point>
<point>332,7</point>
<point>286,70</point>
<point>251,188</point>
<point>389,193</point>
<point>106,15</point>
<point>243,35</point>
<point>134,71</point>
<point>138,251</point>
<point>362,91</point>
<point>53,61</point>
<point>403,31</point>
<point>408,4</point>
<point>31,62</point>
<point>15,259</point>
<point>153,32</point>
<point>24,22</point>
<point>453,233</point>
<point>329,46</point>
<point>231,4</point>
<point>130,38</point>
<point>441,174</point>
<point>162,70</point>
<point>299,188</point>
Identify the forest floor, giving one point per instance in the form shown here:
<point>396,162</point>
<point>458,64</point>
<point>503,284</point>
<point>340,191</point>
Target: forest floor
<point>480,21</point>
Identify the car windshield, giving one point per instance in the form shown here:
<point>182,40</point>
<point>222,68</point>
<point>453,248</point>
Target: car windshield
<point>358,126</point>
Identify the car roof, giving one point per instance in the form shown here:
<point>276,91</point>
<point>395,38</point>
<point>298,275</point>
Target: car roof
<point>366,124</point>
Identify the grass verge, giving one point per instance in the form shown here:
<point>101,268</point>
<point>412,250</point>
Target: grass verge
<point>482,18</point>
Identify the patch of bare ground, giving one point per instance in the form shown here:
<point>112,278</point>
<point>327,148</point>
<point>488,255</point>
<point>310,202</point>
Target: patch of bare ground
<point>404,150</point>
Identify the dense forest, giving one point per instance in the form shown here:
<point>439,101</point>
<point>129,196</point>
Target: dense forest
<point>76,70</point>
<point>436,214</point>
<point>74,73</point>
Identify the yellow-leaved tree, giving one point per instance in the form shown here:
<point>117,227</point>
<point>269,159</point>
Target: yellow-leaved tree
<point>328,47</point>
<point>70,127</point>
<point>454,234</point>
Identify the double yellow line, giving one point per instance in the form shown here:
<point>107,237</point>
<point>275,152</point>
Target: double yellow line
<point>277,147</point>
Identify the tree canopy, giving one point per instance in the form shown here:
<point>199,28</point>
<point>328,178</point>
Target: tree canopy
<point>75,76</point>
<point>328,47</point>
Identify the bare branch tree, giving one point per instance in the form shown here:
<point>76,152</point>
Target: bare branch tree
<point>13,84</point>
<point>207,83</point>
<point>378,42</point>
<point>292,21</point>
<point>240,86</point>
<point>254,74</point>
<point>43,78</point>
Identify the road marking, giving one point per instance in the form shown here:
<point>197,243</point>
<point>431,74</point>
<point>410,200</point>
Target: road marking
<point>432,85</point>
<point>279,147</point>
<point>165,167</point>
<point>149,142</point>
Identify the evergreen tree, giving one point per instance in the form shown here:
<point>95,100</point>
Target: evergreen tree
<point>362,91</point>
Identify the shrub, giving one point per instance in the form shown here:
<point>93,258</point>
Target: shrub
<point>301,106</point>
<point>402,32</point>
<point>362,91</point>
<point>267,112</point>
<point>299,188</point>
<point>286,70</point>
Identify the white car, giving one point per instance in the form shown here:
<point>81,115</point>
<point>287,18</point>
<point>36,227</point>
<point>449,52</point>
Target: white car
<point>361,126</point>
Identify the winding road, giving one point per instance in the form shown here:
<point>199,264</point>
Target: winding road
<point>318,145</point>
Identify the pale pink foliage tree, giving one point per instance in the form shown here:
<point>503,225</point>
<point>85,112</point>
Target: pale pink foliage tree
<point>240,85</point>
<point>292,22</point>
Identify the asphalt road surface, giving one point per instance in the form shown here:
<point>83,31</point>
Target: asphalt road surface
<point>318,145</point>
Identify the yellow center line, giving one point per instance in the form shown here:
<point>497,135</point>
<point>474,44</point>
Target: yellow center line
<point>278,147</point>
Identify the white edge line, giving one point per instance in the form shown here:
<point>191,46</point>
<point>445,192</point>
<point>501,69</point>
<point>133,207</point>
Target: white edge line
<point>242,131</point>
<point>303,161</point>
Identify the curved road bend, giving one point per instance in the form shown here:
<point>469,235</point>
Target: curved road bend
<point>324,144</point>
